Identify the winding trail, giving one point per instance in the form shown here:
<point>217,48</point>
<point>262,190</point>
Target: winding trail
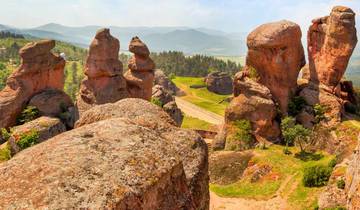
<point>198,112</point>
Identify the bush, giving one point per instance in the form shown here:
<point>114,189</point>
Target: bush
<point>5,153</point>
<point>239,136</point>
<point>296,104</point>
<point>340,184</point>
<point>4,135</point>
<point>28,139</point>
<point>156,101</point>
<point>294,133</point>
<point>319,112</point>
<point>28,114</point>
<point>332,163</point>
<point>316,176</point>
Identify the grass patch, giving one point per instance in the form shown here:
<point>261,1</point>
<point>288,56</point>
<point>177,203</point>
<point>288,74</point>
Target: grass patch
<point>196,124</point>
<point>284,168</point>
<point>5,153</point>
<point>201,96</point>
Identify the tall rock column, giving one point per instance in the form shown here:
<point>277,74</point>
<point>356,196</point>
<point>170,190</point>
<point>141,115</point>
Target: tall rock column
<point>277,55</point>
<point>40,69</point>
<point>140,76</point>
<point>104,82</point>
<point>331,41</point>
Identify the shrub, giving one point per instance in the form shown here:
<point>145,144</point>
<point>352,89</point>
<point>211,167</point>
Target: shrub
<point>319,112</point>
<point>4,135</point>
<point>253,74</point>
<point>28,139</point>
<point>316,176</point>
<point>156,101</point>
<point>340,184</point>
<point>5,153</point>
<point>332,163</point>
<point>295,105</point>
<point>28,114</point>
<point>172,76</point>
<point>239,137</point>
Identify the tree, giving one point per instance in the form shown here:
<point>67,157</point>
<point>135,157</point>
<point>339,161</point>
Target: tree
<point>294,133</point>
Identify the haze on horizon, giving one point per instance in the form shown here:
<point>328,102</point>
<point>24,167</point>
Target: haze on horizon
<point>229,15</point>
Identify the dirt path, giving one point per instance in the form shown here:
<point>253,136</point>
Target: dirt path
<point>198,112</point>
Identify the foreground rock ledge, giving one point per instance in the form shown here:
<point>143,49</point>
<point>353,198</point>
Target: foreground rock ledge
<point>115,163</point>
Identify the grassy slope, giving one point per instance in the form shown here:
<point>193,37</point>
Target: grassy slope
<point>201,97</point>
<point>195,123</point>
<point>284,167</point>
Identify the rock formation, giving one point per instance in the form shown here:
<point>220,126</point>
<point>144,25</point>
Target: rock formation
<point>219,82</point>
<point>104,82</point>
<point>162,80</point>
<point>40,69</point>
<point>352,183</point>
<point>136,162</point>
<point>140,76</point>
<point>252,102</point>
<point>331,41</point>
<point>276,53</point>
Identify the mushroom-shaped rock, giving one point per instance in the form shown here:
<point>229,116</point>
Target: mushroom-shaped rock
<point>276,53</point>
<point>104,82</point>
<point>40,69</point>
<point>331,42</point>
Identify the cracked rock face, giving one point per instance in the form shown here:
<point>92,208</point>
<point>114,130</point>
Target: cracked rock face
<point>39,70</point>
<point>276,53</point>
<point>104,82</point>
<point>331,42</point>
<point>136,162</point>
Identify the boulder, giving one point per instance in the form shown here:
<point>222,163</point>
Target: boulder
<point>138,63</point>
<point>45,128</point>
<point>162,80</point>
<point>160,93</point>
<point>331,41</point>
<point>352,182</point>
<point>175,113</point>
<point>138,47</point>
<point>39,70</point>
<point>276,53</point>
<point>51,102</point>
<point>130,167</point>
<point>104,82</point>
<point>219,82</point>
<point>320,94</point>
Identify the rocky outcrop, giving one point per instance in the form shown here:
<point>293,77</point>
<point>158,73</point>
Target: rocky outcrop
<point>331,41</point>
<point>175,113</point>
<point>137,161</point>
<point>51,102</point>
<point>104,81</point>
<point>161,94</point>
<point>140,76</point>
<point>40,69</point>
<point>352,183</point>
<point>276,53</point>
<point>219,82</point>
<point>253,103</point>
<point>162,80</point>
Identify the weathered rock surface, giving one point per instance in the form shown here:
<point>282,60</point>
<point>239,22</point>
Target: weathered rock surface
<point>162,80</point>
<point>219,82</point>
<point>331,41</point>
<point>352,183</point>
<point>252,102</point>
<point>45,127</point>
<point>140,75</point>
<point>175,113</point>
<point>160,93</point>
<point>130,167</point>
<point>276,53</point>
<point>39,70</point>
<point>104,82</point>
<point>51,102</point>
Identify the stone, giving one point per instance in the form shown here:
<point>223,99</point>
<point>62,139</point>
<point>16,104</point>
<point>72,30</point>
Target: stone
<point>175,113</point>
<point>219,82</point>
<point>315,94</point>
<point>276,53</point>
<point>161,94</point>
<point>139,84</point>
<point>248,87</point>
<point>162,80</point>
<point>306,117</point>
<point>39,70</point>
<point>352,181</point>
<point>137,47</point>
<point>137,63</point>
<point>104,82</point>
<point>331,42</point>
<point>45,127</point>
<point>51,102</point>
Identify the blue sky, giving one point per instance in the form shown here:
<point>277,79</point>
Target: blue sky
<point>226,15</point>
